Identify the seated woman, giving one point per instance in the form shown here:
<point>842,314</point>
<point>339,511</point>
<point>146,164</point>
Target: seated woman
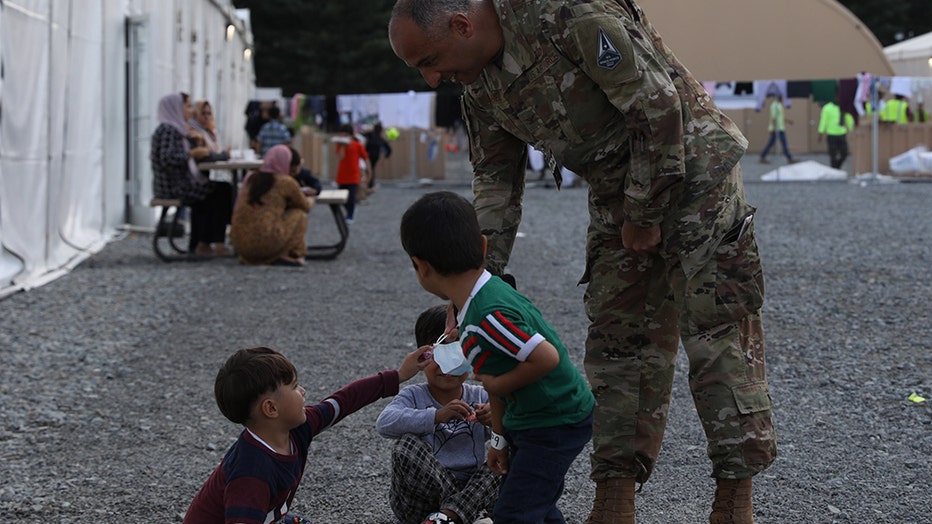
<point>176,176</point>
<point>204,129</point>
<point>270,215</point>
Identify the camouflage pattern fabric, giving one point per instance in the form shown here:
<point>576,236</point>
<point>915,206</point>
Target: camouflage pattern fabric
<point>591,84</point>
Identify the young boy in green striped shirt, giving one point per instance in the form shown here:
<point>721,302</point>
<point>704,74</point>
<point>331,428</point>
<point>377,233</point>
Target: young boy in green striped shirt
<point>541,404</point>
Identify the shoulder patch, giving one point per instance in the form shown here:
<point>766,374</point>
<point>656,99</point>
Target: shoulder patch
<point>608,56</point>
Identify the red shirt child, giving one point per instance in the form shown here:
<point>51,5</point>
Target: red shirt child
<point>348,171</point>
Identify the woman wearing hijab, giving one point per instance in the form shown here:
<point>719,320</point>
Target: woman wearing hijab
<point>205,127</point>
<point>176,176</point>
<point>270,215</point>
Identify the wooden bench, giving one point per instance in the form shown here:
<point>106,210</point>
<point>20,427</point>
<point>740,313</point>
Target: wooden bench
<point>335,198</point>
<point>170,240</point>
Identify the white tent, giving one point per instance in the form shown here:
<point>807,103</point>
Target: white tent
<point>78,96</point>
<point>911,57</point>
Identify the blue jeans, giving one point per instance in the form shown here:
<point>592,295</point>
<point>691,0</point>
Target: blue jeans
<point>770,143</point>
<point>540,458</point>
<point>351,198</point>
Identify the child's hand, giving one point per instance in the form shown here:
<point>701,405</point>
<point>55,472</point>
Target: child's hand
<point>497,460</point>
<point>483,414</point>
<point>413,363</point>
<point>455,410</point>
<point>427,355</point>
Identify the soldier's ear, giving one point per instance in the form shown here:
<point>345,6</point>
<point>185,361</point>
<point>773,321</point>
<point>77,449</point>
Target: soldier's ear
<point>461,25</point>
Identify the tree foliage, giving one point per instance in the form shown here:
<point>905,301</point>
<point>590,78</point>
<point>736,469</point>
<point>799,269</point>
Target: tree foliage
<point>892,21</point>
<point>329,47</point>
<point>326,47</point>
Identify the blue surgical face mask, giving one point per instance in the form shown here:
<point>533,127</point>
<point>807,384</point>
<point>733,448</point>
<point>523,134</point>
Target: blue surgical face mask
<point>450,359</point>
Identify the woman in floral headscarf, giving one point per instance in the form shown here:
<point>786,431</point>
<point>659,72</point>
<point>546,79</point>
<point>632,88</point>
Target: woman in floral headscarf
<point>270,215</point>
<point>176,176</point>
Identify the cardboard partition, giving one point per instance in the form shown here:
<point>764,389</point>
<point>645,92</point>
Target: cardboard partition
<point>427,148</point>
<point>311,146</point>
<point>892,140</point>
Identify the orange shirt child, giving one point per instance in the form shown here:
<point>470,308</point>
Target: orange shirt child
<point>348,170</point>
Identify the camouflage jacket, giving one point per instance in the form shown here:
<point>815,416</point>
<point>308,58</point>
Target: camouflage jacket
<point>591,84</point>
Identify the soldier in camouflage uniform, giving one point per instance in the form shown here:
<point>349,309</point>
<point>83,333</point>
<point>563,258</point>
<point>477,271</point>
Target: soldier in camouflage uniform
<point>670,250</point>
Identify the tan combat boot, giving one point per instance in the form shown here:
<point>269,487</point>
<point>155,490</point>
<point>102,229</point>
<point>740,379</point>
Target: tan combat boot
<point>614,502</point>
<point>732,503</point>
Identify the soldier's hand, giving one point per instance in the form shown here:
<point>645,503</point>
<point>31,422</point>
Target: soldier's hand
<point>641,240</point>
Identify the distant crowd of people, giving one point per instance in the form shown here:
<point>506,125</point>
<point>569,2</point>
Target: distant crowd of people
<point>267,216</point>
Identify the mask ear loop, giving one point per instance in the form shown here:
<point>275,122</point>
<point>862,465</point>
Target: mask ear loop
<point>430,354</point>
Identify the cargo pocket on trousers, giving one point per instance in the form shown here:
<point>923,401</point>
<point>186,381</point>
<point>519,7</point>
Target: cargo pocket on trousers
<point>729,287</point>
<point>752,397</point>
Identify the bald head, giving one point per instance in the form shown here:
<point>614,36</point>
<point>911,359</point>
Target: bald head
<point>446,40</point>
<point>430,16</point>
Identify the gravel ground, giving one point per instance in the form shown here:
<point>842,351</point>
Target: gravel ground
<point>107,414</point>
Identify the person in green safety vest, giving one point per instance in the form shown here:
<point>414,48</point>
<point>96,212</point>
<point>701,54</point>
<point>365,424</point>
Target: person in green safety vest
<point>777,127</point>
<point>896,111</point>
<point>835,123</point>
<point>922,115</point>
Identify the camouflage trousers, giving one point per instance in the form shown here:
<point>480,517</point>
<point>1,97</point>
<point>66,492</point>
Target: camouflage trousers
<point>640,307</point>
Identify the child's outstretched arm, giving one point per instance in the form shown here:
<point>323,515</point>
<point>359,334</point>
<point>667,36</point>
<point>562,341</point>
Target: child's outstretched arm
<point>362,392</point>
<point>543,359</point>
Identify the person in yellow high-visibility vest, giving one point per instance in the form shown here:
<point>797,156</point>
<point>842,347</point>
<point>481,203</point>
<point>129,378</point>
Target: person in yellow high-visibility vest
<point>835,124</point>
<point>896,111</point>
<point>922,115</point>
<point>777,127</point>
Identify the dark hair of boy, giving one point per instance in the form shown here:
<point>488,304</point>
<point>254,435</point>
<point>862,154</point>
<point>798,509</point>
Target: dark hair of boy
<point>274,113</point>
<point>441,228</point>
<point>295,157</point>
<point>430,324</point>
<point>247,375</point>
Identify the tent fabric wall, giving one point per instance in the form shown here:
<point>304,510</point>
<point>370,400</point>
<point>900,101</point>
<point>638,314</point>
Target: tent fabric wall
<point>912,57</point>
<point>722,40</point>
<point>63,117</point>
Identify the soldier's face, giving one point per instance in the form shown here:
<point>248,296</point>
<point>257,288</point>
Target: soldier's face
<point>450,58</point>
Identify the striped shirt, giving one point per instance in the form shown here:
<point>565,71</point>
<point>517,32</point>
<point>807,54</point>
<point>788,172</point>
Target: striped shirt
<point>500,328</point>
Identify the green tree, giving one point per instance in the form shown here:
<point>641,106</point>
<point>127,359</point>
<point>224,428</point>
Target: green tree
<point>892,21</point>
<point>326,47</point>
<point>329,47</point>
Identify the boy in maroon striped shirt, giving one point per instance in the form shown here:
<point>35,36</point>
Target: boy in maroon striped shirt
<point>258,388</point>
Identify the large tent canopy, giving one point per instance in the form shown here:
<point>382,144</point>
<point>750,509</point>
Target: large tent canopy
<point>912,57</point>
<point>725,40</point>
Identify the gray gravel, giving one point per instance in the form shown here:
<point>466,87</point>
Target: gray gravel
<point>107,414</point>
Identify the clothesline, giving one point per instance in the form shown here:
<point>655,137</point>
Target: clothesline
<point>751,95</point>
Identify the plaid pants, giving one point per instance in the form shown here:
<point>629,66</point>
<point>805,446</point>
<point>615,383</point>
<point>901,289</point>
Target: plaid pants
<point>421,485</point>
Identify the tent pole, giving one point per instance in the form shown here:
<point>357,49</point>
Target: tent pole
<point>875,112</point>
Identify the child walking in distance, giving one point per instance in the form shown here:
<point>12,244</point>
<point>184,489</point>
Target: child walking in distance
<point>541,405</point>
<point>438,460</point>
<point>349,174</point>
<point>256,481</point>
